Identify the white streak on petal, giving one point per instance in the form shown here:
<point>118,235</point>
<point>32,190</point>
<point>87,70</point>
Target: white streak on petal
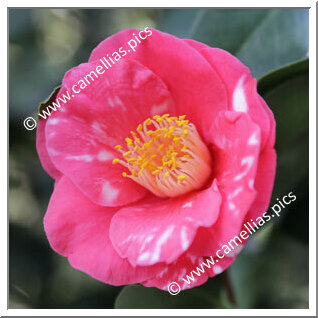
<point>110,102</point>
<point>163,272</point>
<point>184,239</point>
<point>217,269</point>
<point>104,155</point>
<point>116,102</point>
<point>248,162</point>
<point>107,82</point>
<point>97,127</point>
<point>86,158</point>
<point>53,121</point>
<point>192,258</point>
<point>109,193</point>
<point>215,187</point>
<point>161,240</point>
<point>53,152</point>
<point>187,205</point>
<point>182,273</point>
<point>127,239</point>
<point>253,139</point>
<point>157,109</point>
<point>239,99</point>
<point>143,257</point>
<point>235,192</point>
<point>147,240</point>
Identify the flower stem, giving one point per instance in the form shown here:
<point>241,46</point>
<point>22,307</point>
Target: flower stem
<point>229,288</point>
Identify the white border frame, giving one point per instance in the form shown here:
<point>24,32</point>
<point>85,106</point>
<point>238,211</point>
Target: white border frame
<point>312,161</point>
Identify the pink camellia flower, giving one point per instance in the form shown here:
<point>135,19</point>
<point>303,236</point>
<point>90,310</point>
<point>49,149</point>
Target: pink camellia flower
<point>158,163</point>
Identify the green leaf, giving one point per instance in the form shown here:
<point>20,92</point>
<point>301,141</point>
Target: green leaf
<point>210,295</point>
<point>268,81</point>
<point>296,221</point>
<point>276,277</point>
<point>263,39</point>
<point>286,91</point>
<point>279,39</point>
<point>225,29</point>
<point>28,259</point>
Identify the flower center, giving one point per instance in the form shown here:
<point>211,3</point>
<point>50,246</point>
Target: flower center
<point>166,155</point>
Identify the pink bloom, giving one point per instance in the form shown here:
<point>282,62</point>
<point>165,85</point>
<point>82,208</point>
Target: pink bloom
<point>143,197</point>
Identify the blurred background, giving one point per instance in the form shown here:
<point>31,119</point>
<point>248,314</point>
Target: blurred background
<point>272,271</point>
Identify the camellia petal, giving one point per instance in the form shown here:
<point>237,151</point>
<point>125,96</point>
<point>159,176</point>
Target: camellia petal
<point>151,233</point>
<point>189,271</point>
<point>241,87</point>
<point>158,161</point>
<point>236,146</point>
<point>264,183</point>
<point>196,88</point>
<point>81,139</point>
<point>79,230</point>
<point>43,153</point>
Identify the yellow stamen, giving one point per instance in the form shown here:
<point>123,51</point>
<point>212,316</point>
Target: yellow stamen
<point>160,147</point>
<point>148,121</point>
<point>128,141</point>
<point>181,177</point>
<point>162,156</point>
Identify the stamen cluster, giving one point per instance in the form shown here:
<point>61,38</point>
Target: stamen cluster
<point>166,155</point>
